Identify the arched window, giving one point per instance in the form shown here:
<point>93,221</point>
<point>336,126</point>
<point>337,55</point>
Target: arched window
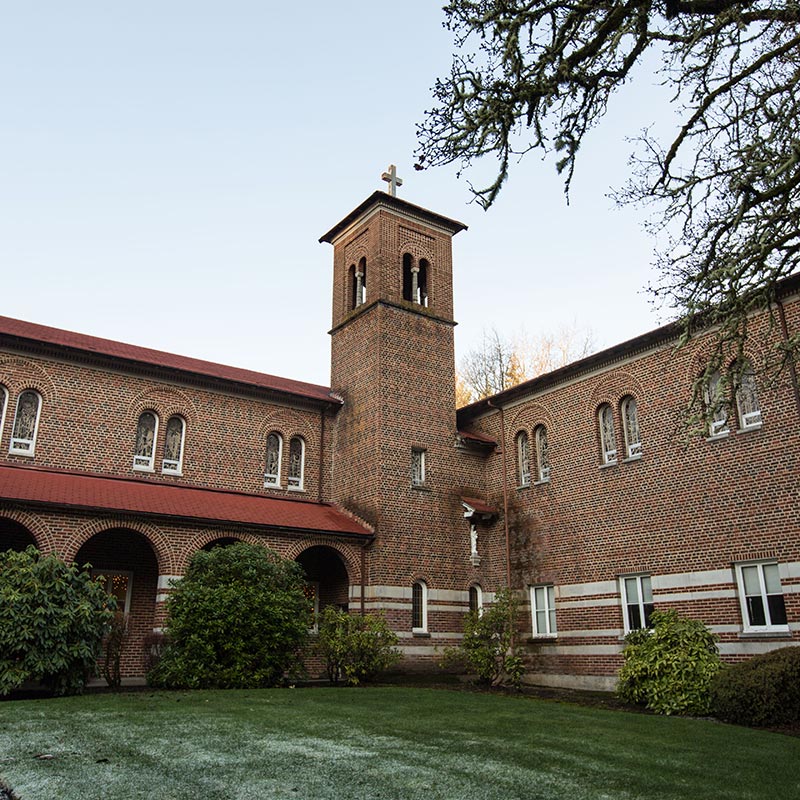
<point>272,473</point>
<point>358,283</point>
<point>146,432</point>
<point>542,453</point>
<point>26,423</point>
<point>608,437</point>
<point>523,459</point>
<point>747,399</point>
<point>415,280</point>
<point>173,446</point>
<point>630,425</point>
<point>717,405</point>
<point>419,607</point>
<point>475,599</point>
<point>297,451</point>
<point>3,404</point>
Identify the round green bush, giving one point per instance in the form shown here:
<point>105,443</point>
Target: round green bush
<point>669,668</point>
<point>238,619</point>
<point>762,691</point>
<point>53,617</point>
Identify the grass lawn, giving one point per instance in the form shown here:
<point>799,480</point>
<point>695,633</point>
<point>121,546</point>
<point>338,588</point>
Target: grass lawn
<point>387,743</point>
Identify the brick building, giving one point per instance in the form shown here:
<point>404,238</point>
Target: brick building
<point>573,487</point>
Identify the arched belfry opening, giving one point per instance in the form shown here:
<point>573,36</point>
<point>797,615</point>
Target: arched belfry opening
<point>15,536</point>
<point>357,280</point>
<point>327,575</point>
<point>125,562</point>
<point>415,280</point>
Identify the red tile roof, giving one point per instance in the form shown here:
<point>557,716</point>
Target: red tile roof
<point>481,506</point>
<point>477,437</point>
<point>84,491</point>
<point>157,358</point>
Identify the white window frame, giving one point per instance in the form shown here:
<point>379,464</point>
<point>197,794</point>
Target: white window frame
<point>748,420</point>
<point>110,573</point>
<point>747,626</point>
<point>423,607</point>
<point>3,407</point>
<point>295,483</point>
<point>143,463</point>
<point>717,406</point>
<point>173,466</point>
<point>523,459</point>
<point>476,587</point>
<point>609,454</point>
<point>542,469</point>
<point>25,447</point>
<point>543,601</point>
<point>272,480</point>
<point>633,445</point>
<point>418,466</point>
<point>641,603</point>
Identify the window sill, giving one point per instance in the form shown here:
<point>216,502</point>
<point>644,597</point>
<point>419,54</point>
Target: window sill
<point>421,487</point>
<point>23,453</point>
<point>542,482</point>
<point>631,459</point>
<point>299,489</point>
<point>143,469</point>
<point>718,436</point>
<point>543,638</point>
<point>420,634</point>
<point>272,486</point>
<point>609,464</point>
<point>750,428</point>
<point>767,633</point>
<point>523,486</point>
<point>173,472</point>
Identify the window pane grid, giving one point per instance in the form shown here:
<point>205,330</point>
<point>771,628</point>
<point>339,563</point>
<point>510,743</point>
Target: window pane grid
<point>543,610</point>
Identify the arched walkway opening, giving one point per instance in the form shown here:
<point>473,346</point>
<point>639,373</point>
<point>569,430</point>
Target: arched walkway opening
<point>125,561</point>
<point>223,541</point>
<point>15,536</point>
<point>327,574</point>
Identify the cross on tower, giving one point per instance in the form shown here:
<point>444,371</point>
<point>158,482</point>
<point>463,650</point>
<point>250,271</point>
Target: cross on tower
<point>390,176</point>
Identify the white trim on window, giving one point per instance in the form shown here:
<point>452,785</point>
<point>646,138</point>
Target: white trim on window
<point>523,459</point>
<point>26,423</point>
<point>294,480</point>
<point>417,466</point>
<point>419,607</point>
<point>272,464</point>
<point>174,466</point>
<point>747,404</point>
<point>112,583</point>
<point>542,444</point>
<point>145,448</point>
<point>608,436</point>
<point>543,610</point>
<point>630,427</point>
<point>637,601</point>
<point>761,597</point>
<point>717,406</point>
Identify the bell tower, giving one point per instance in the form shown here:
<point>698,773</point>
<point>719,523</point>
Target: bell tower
<point>392,361</point>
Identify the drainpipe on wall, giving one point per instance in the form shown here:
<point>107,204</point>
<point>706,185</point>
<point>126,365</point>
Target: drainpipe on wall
<point>792,370</point>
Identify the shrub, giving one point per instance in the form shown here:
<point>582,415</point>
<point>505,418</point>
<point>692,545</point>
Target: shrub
<point>487,649</point>
<point>237,619</point>
<point>355,648</point>
<point>669,668</point>
<point>112,645</point>
<point>762,691</point>
<point>52,619</point>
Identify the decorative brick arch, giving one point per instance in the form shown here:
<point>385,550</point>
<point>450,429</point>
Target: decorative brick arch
<point>529,415</point>
<point>352,563</point>
<point>204,538</point>
<point>19,374</point>
<point>160,544</point>
<point>41,532</point>
<point>616,385</point>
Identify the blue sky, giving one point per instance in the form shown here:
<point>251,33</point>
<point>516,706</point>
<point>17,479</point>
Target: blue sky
<point>166,169</point>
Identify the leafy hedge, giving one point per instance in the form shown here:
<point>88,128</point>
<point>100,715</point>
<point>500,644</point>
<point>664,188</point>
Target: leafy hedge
<point>669,668</point>
<point>53,617</point>
<point>762,691</point>
<point>237,619</point>
<point>355,648</point>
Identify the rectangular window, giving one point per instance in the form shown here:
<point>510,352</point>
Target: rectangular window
<point>637,601</point>
<point>116,583</point>
<point>543,610</point>
<point>417,467</point>
<point>761,597</point>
